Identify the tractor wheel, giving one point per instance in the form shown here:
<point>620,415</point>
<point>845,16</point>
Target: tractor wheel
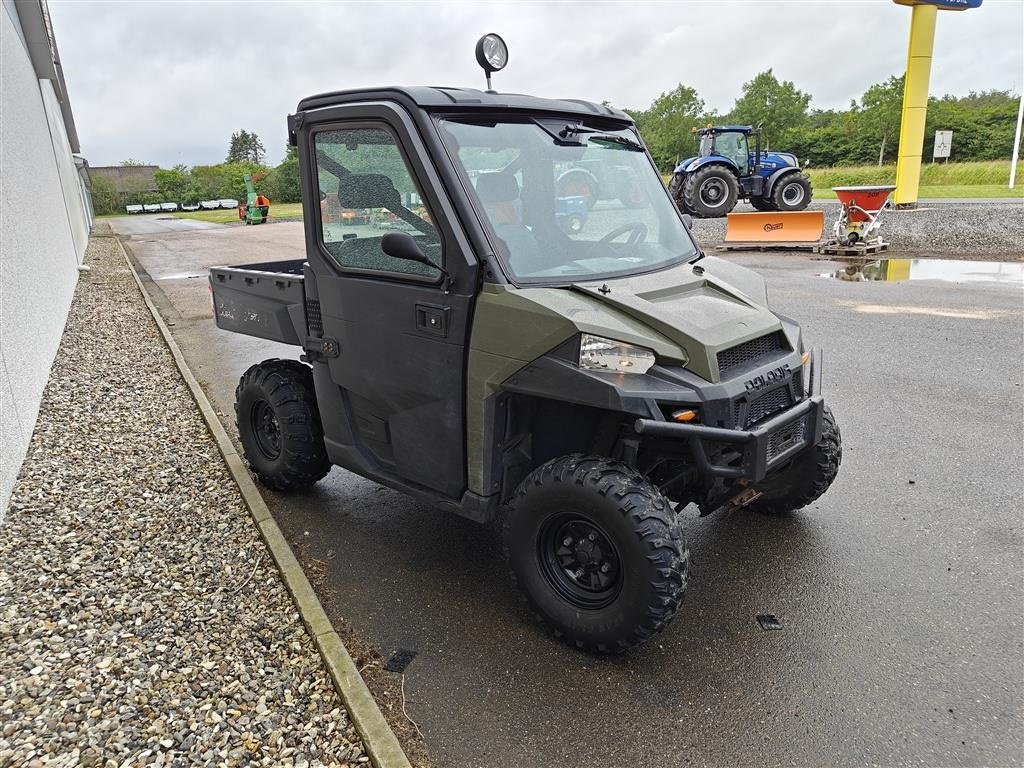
<point>598,551</point>
<point>711,191</point>
<point>676,185</point>
<point>807,477</point>
<point>792,192</point>
<point>762,204</point>
<point>279,425</point>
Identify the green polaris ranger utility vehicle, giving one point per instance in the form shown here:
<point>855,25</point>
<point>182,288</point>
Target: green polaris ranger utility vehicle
<point>458,343</point>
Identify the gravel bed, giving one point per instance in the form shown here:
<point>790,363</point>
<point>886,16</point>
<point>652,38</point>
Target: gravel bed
<point>991,230</point>
<point>142,621</point>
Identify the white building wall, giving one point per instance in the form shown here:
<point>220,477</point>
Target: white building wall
<point>70,181</point>
<point>44,230</point>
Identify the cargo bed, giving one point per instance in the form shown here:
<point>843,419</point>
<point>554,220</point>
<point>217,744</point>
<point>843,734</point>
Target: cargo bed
<point>264,300</point>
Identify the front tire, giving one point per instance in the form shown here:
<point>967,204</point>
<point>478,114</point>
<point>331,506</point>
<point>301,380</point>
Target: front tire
<point>807,477</point>
<point>711,191</point>
<point>792,192</point>
<point>598,552</point>
<point>762,204</point>
<point>676,187</point>
<point>279,425</point>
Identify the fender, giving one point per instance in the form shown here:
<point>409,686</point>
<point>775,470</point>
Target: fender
<point>682,166</point>
<point>774,178</point>
<point>689,166</point>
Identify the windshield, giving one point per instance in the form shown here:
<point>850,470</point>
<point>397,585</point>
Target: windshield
<point>568,202</point>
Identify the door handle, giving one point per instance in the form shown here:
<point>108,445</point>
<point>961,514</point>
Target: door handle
<point>432,319</point>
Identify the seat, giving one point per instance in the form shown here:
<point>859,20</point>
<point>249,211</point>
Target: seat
<point>499,193</point>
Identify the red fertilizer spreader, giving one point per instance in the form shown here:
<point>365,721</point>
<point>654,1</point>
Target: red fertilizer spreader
<point>862,208</point>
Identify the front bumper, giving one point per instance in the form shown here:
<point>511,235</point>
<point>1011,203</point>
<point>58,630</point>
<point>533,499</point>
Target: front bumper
<point>764,447</point>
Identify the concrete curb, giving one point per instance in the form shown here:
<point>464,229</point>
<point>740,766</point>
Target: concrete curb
<point>379,740</point>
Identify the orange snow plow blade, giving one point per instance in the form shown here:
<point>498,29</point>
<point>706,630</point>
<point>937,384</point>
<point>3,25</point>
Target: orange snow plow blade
<point>775,227</point>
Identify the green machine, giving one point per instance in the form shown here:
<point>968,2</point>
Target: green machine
<point>576,388</point>
<point>257,207</point>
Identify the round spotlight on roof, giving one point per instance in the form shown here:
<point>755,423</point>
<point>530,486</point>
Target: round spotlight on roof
<point>491,54</point>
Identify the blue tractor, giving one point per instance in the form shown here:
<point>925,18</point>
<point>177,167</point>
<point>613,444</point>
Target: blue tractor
<point>726,170</point>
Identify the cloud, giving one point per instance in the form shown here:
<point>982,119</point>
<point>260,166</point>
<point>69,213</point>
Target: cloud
<point>168,82</point>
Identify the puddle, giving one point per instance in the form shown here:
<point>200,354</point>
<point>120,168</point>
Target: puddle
<point>947,270</point>
<point>183,276</point>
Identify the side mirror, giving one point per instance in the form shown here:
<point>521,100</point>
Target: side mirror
<point>688,221</point>
<point>402,245</point>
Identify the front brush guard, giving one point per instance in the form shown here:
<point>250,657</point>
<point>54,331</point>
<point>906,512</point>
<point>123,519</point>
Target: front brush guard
<point>757,443</point>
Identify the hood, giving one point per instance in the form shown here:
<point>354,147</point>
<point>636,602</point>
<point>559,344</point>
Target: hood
<point>777,160</point>
<point>699,310</point>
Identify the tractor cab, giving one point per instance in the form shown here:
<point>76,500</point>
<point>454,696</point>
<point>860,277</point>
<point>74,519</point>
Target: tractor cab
<point>732,143</point>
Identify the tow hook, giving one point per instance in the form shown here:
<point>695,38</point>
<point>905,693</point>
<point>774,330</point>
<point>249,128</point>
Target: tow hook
<point>742,499</point>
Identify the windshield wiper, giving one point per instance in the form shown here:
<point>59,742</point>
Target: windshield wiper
<point>574,129</point>
<point>621,141</point>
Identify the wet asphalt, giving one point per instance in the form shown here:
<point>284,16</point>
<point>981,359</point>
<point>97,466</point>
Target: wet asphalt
<point>899,593</point>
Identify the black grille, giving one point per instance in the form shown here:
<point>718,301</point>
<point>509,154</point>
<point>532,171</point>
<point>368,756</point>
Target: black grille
<point>313,320</point>
<point>786,437</point>
<point>764,406</point>
<point>750,352</point>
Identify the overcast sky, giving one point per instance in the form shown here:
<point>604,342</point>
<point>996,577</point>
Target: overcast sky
<point>168,82</point>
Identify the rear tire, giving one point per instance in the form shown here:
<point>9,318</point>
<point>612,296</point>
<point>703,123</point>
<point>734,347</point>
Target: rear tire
<point>808,476</point>
<point>792,192</point>
<point>711,191</point>
<point>598,552</point>
<point>279,425</point>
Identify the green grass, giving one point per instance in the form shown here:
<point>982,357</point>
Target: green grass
<point>987,179</point>
<point>983,179</point>
<point>944,190</point>
<point>993,174</point>
<point>224,216</point>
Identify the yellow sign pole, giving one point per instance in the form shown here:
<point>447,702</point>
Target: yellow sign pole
<point>915,103</point>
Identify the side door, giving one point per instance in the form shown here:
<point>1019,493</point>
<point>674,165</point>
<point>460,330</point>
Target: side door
<point>399,331</point>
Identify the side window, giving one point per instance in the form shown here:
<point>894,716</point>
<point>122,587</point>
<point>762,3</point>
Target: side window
<point>366,191</point>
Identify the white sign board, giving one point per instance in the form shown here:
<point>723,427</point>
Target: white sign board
<point>943,143</point>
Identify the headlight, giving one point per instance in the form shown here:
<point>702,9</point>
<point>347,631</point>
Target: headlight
<point>600,354</point>
<point>491,52</point>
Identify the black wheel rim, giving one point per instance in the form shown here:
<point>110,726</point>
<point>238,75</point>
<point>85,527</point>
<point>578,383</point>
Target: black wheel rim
<point>713,193</point>
<point>265,429</point>
<point>579,561</point>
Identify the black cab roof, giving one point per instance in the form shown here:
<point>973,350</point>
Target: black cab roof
<point>461,100</point>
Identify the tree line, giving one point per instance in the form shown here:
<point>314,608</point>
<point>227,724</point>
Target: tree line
<point>182,184</point>
<point>867,132</point>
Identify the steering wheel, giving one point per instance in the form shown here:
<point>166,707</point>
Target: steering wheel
<point>637,228</point>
